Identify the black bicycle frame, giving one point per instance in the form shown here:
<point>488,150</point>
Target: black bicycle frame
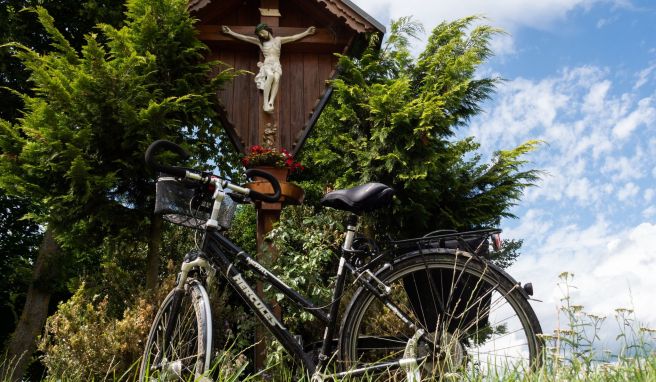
<point>228,258</point>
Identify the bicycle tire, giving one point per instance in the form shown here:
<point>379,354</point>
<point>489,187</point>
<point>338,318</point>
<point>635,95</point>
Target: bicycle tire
<point>464,342</point>
<point>187,355</point>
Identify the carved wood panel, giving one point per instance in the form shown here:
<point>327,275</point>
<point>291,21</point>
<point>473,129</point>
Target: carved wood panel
<point>306,65</point>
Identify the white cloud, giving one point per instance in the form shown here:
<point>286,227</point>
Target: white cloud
<point>580,115</point>
<point>595,100</point>
<point>612,269</point>
<point>624,168</point>
<point>649,212</point>
<point>535,223</point>
<point>643,76</point>
<point>649,194</point>
<point>503,45</point>
<point>644,115</point>
<point>507,14</point>
<point>629,191</point>
<point>599,154</point>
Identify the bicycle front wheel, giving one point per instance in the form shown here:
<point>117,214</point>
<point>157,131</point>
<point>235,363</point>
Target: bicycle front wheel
<point>466,319</point>
<point>183,352</point>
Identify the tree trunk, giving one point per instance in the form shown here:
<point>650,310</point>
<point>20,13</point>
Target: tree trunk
<point>154,250</point>
<point>22,344</point>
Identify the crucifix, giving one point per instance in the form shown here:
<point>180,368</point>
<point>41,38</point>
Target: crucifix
<point>268,81</point>
<point>307,64</point>
<point>274,114</point>
<point>268,78</point>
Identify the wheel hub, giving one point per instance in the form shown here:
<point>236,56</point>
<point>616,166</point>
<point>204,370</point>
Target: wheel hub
<point>170,371</point>
<point>448,358</point>
<point>451,356</point>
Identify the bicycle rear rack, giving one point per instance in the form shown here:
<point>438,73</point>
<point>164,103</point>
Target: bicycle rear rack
<point>475,242</point>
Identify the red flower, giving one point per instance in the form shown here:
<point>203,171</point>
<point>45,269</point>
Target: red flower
<point>264,156</point>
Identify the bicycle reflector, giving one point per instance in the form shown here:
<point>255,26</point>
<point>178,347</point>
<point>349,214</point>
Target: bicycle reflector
<point>496,241</point>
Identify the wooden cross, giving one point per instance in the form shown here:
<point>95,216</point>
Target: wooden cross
<point>306,64</point>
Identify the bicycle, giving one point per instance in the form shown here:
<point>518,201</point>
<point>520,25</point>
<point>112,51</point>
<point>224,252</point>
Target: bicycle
<point>427,307</point>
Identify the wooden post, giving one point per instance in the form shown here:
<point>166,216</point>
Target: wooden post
<point>267,215</point>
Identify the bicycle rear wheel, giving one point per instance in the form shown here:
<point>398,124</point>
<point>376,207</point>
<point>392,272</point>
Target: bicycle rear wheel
<point>469,320</point>
<point>185,356</point>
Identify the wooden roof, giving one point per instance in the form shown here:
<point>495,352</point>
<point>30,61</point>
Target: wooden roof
<point>353,16</point>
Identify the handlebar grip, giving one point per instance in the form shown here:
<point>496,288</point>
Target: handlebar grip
<point>162,144</point>
<point>251,173</point>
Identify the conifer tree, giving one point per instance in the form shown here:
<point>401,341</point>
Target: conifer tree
<point>393,119</point>
<point>19,237</point>
<point>77,152</point>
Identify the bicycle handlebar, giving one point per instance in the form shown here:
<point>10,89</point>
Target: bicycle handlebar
<point>251,173</point>
<point>161,144</point>
<point>185,173</point>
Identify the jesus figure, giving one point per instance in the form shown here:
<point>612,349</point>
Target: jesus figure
<point>268,78</point>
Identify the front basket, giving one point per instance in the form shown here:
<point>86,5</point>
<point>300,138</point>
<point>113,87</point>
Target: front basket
<point>189,207</point>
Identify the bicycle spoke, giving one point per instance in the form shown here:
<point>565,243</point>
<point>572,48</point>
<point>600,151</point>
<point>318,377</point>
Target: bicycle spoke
<point>182,356</point>
<point>473,316</point>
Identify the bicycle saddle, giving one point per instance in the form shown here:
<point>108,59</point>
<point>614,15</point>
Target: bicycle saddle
<point>363,198</point>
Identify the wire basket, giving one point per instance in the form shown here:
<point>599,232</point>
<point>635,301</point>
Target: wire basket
<point>189,206</point>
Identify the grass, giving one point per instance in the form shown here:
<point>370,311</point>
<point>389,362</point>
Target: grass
<point>573,352</point>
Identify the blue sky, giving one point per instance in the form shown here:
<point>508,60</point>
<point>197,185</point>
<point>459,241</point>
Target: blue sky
<point>581,76</point>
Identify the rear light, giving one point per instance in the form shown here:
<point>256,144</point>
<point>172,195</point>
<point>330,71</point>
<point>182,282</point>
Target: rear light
<point>496,242</point>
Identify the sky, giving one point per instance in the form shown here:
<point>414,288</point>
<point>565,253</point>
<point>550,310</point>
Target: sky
<point>580,75</point>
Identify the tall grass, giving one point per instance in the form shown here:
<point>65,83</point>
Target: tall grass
<point>573,352</point>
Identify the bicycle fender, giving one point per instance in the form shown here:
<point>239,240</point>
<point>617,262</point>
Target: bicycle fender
<point>448,251</point>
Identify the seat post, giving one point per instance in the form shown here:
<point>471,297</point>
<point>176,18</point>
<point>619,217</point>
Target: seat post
<point>351,224</point>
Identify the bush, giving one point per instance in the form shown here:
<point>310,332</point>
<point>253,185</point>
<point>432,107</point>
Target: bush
<point>82,340</point>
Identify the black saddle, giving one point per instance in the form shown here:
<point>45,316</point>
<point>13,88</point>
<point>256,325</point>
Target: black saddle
<point>364,198</point>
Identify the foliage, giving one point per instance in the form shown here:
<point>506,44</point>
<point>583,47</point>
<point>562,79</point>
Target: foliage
<point>264,156</point>
<point>78,151</point>
<point>19,237</point>
<point>308,242</point>
<point>83,340</point>
<point>635,361</point>
<point>75,18</point>
<point>392,119</point>
<point>76,155</point>
<point>508,253</point>
<point>115,268</point>
<point>242,231</point>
